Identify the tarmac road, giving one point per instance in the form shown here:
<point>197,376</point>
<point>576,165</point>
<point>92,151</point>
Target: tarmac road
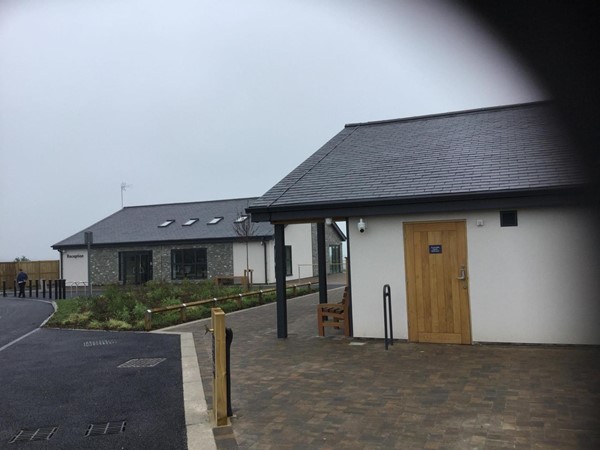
<point>21,316</point>
<point>71,379</point>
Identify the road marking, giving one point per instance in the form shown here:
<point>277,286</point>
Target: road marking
<point>18,339</point>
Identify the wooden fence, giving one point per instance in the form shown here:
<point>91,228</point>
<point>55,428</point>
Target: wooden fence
<point>36,270</point>
<point>182,308</point>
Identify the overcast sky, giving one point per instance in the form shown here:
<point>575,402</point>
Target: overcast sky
<point>189,100</point>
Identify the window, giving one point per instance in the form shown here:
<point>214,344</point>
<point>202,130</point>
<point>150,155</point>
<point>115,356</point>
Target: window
<point>166,223</point>
<point>189,222</point>
<point>189,263</point>
<point>135,267</point>
<point>215,220</point>
<point>508,219</point>
<point>240,219</point>
<point>335,259</point>
<point>288,260</point>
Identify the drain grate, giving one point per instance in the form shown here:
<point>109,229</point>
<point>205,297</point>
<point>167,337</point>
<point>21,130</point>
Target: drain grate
<point>142,362</point>
<point>39,434</point>
<point>100,429</point>
<point>100,342</point>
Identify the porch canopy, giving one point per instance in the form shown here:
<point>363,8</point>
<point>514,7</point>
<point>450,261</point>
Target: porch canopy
<point>492,158</point>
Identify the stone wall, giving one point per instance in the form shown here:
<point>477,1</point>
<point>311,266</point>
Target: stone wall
<point>105,261</point>
<point>104,265</point>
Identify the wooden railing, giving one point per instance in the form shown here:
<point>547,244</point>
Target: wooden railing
<point>183,307</point>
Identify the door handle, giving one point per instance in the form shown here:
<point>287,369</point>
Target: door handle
<point>462,275</point>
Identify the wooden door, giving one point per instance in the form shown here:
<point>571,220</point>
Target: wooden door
<point>437,282</point>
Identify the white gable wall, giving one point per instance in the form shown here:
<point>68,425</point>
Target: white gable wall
<point>299,236</point>
<point>534,283</point>
<point>256,259</point>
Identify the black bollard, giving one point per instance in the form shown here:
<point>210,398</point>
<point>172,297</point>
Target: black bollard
<point>50,289</point>
<point>3,288</point>
<point>37,288</point>
<point>15,286</point>
<point>228,341</point>
<point>29,288</point>
<point>43,288</point>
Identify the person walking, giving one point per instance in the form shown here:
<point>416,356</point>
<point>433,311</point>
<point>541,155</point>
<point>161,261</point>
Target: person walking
<point>21,280</point>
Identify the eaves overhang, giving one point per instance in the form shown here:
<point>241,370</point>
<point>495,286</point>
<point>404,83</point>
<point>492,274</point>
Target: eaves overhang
<point>316,212</point>
<point>164,243</point>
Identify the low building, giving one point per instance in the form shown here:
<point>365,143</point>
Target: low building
<point>476,220</point>
<point>195,241</point>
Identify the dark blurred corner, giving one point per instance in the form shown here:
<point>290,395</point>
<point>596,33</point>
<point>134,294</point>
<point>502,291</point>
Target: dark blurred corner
<point>559,40</point>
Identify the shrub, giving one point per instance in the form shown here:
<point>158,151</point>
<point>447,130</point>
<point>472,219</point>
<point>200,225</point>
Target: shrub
<point>124,307</point>
<point>118,325</point>
<point>76,319</point>
<point>138,312</point>
<point>99,307</point>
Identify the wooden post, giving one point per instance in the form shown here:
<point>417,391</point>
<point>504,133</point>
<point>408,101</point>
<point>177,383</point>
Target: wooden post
<point>261,300</point>
<point>148,320</point>
<point>245,280</point>
<point>183,312</point>
<point>220,369</point>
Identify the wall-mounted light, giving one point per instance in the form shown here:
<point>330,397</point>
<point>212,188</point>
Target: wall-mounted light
<point>328,221</point>
<point>362,226</point>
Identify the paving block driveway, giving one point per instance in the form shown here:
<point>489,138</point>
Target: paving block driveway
<point>307,392</point>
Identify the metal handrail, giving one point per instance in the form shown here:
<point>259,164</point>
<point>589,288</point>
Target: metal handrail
<point>341,265</point>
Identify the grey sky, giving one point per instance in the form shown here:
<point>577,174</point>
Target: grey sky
<point>201,100</point>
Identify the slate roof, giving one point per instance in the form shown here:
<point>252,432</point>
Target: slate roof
<point>501,149</point>
<point>140,224</point>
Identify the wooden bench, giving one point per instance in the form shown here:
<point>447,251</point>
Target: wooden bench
<point>227,280</point>
<point>334,315</point>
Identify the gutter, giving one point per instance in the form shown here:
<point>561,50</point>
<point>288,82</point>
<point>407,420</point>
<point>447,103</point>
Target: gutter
<point>442,203</point>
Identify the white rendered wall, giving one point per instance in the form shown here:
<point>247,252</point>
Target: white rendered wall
<point>75,265</point>
<point>377,259</point>
<point>299,236</point>
<point>256,260</point>
<point>535,283</point>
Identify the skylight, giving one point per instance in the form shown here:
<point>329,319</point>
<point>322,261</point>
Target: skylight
<point>240,219</point>
<point>166,223</point>
<point>189,222</point>
<point>215,220</point>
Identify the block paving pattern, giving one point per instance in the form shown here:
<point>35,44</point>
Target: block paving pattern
<point>307,392</point>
